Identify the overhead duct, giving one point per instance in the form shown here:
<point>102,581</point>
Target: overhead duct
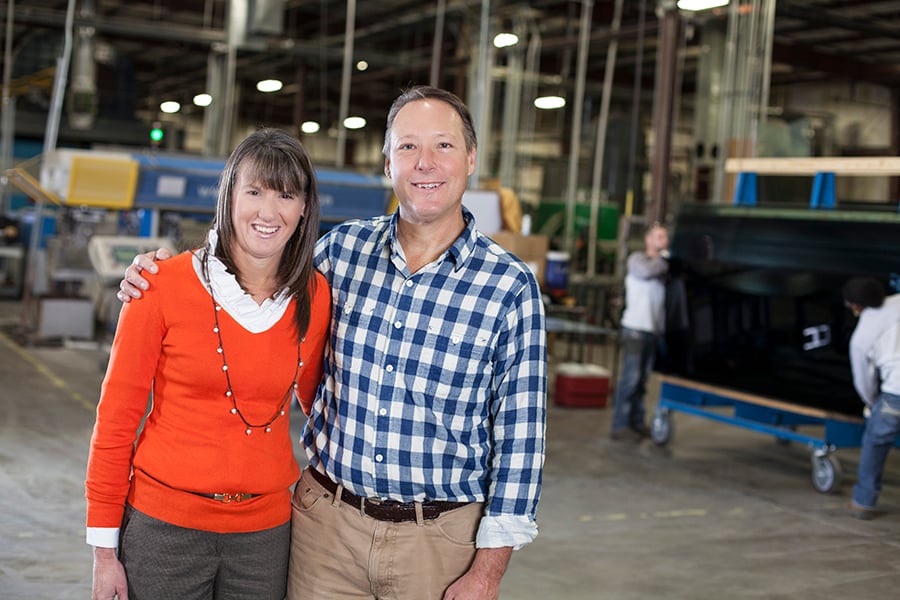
<point>82,105</point>
<point>266,17</point>
<point>251,20</point>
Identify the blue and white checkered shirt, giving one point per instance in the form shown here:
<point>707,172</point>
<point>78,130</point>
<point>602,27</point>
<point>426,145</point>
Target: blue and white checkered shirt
<point>436,384</point>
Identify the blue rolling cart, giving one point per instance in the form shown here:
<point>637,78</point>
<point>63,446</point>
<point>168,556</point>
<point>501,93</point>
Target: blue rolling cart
<point>764,415</point>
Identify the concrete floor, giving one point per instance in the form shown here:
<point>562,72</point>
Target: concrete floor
<point>721,512</point>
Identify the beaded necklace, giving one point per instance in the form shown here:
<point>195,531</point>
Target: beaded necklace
<point>229,392</point>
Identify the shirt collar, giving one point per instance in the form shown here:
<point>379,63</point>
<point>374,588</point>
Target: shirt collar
<point>229,294</point>
<point>459,252</point>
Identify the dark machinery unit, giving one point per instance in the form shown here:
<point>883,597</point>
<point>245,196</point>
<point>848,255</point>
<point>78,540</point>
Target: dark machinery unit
<point>762,298</point>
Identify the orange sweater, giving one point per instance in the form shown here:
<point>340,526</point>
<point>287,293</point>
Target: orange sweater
<point>191,442</point>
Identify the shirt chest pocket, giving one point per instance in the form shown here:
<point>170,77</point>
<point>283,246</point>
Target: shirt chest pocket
<point>460,362</point>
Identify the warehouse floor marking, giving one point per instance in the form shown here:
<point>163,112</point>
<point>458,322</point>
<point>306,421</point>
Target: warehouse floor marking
<point>47,373</point>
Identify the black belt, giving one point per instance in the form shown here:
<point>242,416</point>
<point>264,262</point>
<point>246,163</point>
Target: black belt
<point>387,510</point>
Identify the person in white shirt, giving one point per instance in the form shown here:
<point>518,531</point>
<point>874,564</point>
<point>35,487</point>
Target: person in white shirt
<point>875,365</point>
<point>643,324</point>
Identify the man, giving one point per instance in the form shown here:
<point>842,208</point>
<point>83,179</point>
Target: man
<point>643,323</point>
<point>426,439</point>
<point>875,365</point>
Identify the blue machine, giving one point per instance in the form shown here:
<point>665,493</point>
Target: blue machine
<point>190,185</point>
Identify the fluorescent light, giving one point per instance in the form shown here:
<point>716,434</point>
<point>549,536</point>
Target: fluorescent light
<point>202,100</point>
<point>549,102</point>
<point>354,122</point>
<point>309,127</point>
<point>170,107</point>
<point>269,85</point>
<point>700,4</point>
<point>503,40</point>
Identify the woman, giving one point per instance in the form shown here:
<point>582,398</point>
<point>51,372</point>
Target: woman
<point>200,506</point>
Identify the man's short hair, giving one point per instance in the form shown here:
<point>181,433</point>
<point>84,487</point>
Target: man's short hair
<point>864,291</point>
<point>427,92</point>
<point>654,225</point>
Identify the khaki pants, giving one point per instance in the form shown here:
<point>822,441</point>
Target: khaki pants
<point>337,552</point>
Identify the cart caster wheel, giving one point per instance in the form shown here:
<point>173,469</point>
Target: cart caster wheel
<point>826,473</point>
<point>661,427</point>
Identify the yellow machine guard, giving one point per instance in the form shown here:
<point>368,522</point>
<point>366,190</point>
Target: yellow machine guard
<point>102,182</point>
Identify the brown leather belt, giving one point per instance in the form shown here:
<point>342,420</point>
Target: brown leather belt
<point>387,510</point>
<point>227,498</point>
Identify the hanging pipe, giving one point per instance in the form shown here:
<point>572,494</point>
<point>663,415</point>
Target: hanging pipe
<point>587,8</point>
<point>600,142</point>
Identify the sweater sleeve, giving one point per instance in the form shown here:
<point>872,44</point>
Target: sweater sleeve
<point>124,398</point>
<point>314,346</point>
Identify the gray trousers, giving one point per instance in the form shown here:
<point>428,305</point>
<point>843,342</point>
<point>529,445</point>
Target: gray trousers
<point>166,561</point>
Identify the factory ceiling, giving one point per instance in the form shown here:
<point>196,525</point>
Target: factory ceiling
<point>147,51</point>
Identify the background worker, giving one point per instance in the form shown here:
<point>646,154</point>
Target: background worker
<point>426,440</point>
<point>643,324</point>
<point>875,365</point>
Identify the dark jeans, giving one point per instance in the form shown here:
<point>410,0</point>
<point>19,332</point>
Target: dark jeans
<point>638,353</point>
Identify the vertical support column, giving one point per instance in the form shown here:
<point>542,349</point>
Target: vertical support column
<point>664,109</point>
<point>479,94</point>
<point>346,71</point>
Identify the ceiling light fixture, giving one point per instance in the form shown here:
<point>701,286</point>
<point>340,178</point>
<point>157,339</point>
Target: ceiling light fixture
<point>549,102</point>
<point>170,107</point>
<point>309,127</point>
<point>202,100</point>
<point>354,122</point>
<point>696,5</point>
<point>504,40</point>
<point>269,85</point>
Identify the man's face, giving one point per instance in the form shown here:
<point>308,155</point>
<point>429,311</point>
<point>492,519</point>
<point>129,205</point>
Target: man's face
<point>657,239</point>
<point>428,162</point>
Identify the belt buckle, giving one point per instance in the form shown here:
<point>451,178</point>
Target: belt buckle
<point>228,498</point>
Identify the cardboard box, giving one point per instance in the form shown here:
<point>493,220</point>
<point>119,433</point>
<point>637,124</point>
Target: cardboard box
<point>530,248</point>
<point>581,385</point>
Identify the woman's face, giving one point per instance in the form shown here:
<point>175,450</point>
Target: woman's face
<point>263,219</point>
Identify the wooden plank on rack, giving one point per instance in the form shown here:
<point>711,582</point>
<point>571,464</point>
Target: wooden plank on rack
<point>839,165</point>
<point>761,400</point>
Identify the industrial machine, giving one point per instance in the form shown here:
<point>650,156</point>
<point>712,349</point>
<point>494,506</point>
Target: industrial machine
<point>764,345</point>
<point>763,294</point>
<point>111,205</point>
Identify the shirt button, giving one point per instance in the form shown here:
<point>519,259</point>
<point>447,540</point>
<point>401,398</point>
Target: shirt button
<point>398,324</point>
<point>379,457</point>
<point>409,283</point>
<point>382,412</point>
<point>389,368</point>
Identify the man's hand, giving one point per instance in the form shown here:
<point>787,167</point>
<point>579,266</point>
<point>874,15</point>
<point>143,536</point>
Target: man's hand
<point>482,580</point>
<point>109,576</point>
<point>133,284</point>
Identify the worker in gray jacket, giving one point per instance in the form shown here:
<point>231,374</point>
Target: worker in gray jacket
<point>643,324</point>
<point>875,364</point>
